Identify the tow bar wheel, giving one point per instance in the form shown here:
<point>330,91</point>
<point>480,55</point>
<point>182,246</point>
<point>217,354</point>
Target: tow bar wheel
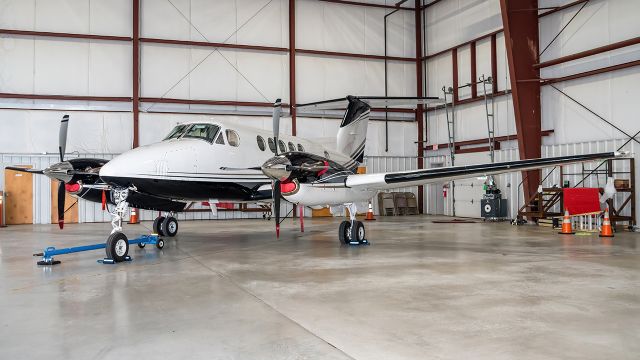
<point>117,247</point>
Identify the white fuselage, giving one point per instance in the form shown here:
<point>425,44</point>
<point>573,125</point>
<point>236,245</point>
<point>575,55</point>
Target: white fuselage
<point>196,169</point>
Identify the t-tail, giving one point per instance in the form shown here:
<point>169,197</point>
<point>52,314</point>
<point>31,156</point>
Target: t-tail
<point>352,135</point>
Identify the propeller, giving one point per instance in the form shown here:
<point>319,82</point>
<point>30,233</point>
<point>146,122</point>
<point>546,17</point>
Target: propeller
<point>277,195</point>
<point>277,111</point>
<point>277,191</point>
<point>62,147</point>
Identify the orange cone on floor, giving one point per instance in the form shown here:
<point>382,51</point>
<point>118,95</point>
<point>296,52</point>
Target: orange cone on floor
<point>133,219</point>
<point>566,224</point>
<point>370,213</point>
<point>607,230</point>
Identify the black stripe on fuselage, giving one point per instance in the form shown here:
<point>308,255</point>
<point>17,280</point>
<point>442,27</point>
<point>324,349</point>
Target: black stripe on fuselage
<point>440,173</point>
<point>194,190</point>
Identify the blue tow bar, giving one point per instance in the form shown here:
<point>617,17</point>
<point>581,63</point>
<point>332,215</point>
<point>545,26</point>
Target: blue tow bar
<point>50,252</point>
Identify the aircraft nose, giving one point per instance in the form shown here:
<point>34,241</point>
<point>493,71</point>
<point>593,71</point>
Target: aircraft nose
<point>131,164</point>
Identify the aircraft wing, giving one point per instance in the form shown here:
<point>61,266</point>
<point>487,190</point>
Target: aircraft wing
<point>373,101</point>
<point>392,180</point>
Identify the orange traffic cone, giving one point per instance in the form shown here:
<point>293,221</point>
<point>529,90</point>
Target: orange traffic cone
<point>607,230</point>
<point>133,219</point>
<point>566,224</point>
<point>370,213</point>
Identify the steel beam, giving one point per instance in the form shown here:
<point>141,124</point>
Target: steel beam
<point>136,73</point>
<point>419,92</point>
<point>522,44</point>
<point>474,71</point>
<point>292,66</point>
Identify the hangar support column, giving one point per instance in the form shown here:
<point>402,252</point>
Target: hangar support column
<point>419,93</point>
<point>135,94</point>
<point>520,20</point>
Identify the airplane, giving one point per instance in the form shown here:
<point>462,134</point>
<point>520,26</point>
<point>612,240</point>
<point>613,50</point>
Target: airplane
<point>217,161</point>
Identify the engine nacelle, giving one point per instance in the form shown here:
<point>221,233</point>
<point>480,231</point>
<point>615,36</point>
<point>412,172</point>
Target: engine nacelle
<point>326,194</point>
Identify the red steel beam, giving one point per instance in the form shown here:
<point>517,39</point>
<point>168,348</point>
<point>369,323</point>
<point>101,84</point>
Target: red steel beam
<point>583,54</point>
<point>64,35</point>
<point>474,73</point>
<point>136,73</point>
<point>358,3</point>
<point>292,66</point>
<point>522,44</point>
<point>591,73</point>
<point>213,44</point>
<point>419,92</point>
<point>485,140</point>
<point>354,55</point>
<point>64,97</point>
<point>494,64</point>
<point>207,102</point>
<point>454,62</point>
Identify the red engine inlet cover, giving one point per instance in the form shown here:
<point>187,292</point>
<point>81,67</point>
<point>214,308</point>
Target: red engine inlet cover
<point>72,188</point>
<point>288,187</point>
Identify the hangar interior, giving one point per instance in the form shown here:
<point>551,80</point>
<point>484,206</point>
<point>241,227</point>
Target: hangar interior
<point>517,79</point>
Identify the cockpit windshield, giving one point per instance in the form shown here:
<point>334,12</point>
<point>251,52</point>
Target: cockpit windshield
<point>206,132</point>
<point>176,132</point>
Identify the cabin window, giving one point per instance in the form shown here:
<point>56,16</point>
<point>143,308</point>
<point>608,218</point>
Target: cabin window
<point>291,146</point>
<point>176,132</point>
<point>260,143</point>
<point>326,154</point>
<point>220,139</point>
<point>272,145</point>
<point>233,138</point>
<point>206,132</point>
<point>282,146</point>
<point>300,148</point>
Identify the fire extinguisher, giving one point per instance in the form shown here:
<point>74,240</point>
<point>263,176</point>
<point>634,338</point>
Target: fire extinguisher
<point>444,192</point>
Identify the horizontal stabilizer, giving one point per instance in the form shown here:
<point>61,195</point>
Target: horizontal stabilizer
<point>372,101</point>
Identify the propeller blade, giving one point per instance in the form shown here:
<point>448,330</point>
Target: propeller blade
<point>30,171</point>
<point>277,191</point>
<point>256,168</point>
<point>277,112</point>
<point>62,138</point>
<point>61,198</point>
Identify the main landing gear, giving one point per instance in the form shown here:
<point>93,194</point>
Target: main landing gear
<point>352,232</point>
<point>166,225</point>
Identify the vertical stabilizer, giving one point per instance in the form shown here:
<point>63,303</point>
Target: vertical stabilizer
<point>352,134</point>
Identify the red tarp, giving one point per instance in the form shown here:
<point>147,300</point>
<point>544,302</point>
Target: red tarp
<point>581,200</point>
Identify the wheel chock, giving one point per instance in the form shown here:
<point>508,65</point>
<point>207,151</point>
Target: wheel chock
<point>111,261</point>
<point>358,243</point>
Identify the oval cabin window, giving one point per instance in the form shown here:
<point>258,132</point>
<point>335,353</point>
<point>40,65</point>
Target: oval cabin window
<point>272,145</point>
<point>233,138</point>
<point>260,141</point>
<point>291,146</point>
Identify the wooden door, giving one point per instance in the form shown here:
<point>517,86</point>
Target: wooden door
<point>70,205</point>
<point>18,189</point>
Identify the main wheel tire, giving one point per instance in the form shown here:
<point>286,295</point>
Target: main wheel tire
<point>117,247</point>
<point>344,232</point>
<point>170,226</point>
<point>358,232</point>
<point>157,225</point>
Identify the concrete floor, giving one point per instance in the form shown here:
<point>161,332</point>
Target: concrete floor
<point>229,290</point>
